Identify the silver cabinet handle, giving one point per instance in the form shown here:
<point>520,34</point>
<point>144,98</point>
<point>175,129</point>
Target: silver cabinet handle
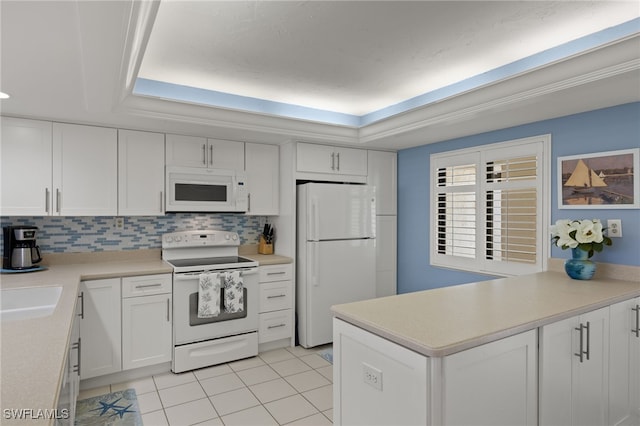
<point>276,296</point>
<point>76,346</point>
<point>338,157</point>
<point>276,326</point>
<point>276,273</point>
<point>149,285</point>
<point>161,201</point>
<point>57,200</point>
<point>249,202</point>
<point>588,338</point>
<point>211,155</point>
<point>204,154</point>
<point>637,329</point>
<point>333,160</point>
<point>46,200</point>
<point>580,354</point>
<point>81,297</point>
<point>168,309</point>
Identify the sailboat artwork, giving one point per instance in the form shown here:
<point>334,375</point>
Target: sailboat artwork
<point>602,180</point>
<point>583,180</point>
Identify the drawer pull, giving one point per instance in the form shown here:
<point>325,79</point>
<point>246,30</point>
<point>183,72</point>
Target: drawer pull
<point>637,329</point>
<point>276,273</point>
<point>581,352</point>
<point>276,296</point>
<point>81,297</point>
<point>149,285</point>
<point>276,326</point>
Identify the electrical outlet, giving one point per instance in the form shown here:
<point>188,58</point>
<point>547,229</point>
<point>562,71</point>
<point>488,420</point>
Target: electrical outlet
<point>614,228</point>
<point>372,376</point>
<point>118,223</point>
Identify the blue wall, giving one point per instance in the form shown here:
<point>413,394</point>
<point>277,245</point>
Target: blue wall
<point>595,131</point>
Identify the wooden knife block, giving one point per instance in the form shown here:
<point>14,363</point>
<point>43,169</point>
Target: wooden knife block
<point>263,247</point>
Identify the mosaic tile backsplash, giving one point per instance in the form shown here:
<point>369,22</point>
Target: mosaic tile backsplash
<point>90,234</point>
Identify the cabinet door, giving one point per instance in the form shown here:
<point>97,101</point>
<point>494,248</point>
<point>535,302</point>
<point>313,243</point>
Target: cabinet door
<point>386,255</point>
<point>382,173</point>
<point>225,154</point>
<point>315,158</point>
<point>377,382</point>
<point>492,384</point>
<point>574,389</point>
<point>85,170</point>
<point>189,151</point>
<point>25,169</point>
<point>146,331</point>
<point>100,327</point>
<point>140,173</point>
<point>624,363</point>
<point>263,177</point>
<point>349,161</point>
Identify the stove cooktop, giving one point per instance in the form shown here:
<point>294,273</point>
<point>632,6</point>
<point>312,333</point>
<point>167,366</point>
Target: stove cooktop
<point>209,262</point>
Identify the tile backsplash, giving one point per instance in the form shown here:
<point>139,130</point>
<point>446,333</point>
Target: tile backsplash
<point>90,234</point>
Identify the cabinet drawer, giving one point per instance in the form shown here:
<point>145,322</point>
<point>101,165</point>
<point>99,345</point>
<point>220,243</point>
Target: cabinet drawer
<point>274,326</point>
<point>146,285</point>
<point>275,296</point>
<point>276,273</point>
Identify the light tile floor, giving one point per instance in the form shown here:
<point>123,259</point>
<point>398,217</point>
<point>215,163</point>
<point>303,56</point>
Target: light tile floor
<point>289,386</point>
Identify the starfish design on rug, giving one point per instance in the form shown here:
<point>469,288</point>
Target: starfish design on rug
<point>106,406</point>
<point>121,411</point>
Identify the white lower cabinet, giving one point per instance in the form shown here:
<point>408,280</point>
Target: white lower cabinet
<point>492,384</point>
<point>125,323</point>
<point>146,321</point>
<point>275,304</point>
<point>100,325</point>
<point>574,370</point>
<point>377,382</point>
<point>624,363</point>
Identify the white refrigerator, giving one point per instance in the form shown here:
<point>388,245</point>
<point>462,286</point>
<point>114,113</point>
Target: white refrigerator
<point>335,254</point>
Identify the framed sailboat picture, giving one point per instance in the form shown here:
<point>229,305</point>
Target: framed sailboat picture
<point>603,180</point>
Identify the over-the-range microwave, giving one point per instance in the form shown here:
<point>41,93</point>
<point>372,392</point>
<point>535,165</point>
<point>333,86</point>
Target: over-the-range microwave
<point>192,189</point>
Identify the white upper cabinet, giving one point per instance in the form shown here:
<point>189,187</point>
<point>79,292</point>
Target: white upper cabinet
<point>140,173</point>
<point>324,159</point>
<point>382,173</point>
<point>85,170</point>
<point>25,160</point>
<point>262,172</point>
<point>191,151</point>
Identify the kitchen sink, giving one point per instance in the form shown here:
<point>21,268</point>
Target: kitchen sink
<point>29,302</point>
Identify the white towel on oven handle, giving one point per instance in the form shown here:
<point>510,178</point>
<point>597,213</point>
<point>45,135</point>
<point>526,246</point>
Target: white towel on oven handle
<point>208,295</point>
<point>233,292</point>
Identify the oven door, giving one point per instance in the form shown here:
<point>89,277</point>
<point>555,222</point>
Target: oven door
<point>208,190</point>
<point>188,328</point>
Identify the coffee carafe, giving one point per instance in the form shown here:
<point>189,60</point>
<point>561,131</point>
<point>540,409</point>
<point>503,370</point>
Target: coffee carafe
<point>20,248</point>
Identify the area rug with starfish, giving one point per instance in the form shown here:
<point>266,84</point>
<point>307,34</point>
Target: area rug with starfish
<point>113,409</point>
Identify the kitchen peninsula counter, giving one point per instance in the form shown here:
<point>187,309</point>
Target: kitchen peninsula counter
<point>447,320</point>
<point>33,351</point>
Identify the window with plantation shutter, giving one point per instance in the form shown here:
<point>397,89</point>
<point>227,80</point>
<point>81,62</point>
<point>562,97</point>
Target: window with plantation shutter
<point>489,212</point>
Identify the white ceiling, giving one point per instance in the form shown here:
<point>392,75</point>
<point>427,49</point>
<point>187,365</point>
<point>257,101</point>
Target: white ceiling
<point>78,61</point>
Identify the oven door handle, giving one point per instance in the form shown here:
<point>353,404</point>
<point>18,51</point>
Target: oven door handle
<point>191,275</point>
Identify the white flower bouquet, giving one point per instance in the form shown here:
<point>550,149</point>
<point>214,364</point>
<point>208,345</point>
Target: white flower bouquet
<point>586,234</point>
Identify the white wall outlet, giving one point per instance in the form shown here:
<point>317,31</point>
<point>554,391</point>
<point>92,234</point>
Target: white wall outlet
<point>614,228</point>
<point>372,376</point>
<point>118,223</point>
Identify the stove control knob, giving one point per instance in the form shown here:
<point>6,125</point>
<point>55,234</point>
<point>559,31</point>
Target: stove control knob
<point>169,239</point>
<point>234,237</point>
<point>226,236</point>
<point>178,238</point>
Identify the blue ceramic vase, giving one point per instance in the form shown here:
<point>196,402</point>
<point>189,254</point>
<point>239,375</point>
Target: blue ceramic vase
<point>579,267</point>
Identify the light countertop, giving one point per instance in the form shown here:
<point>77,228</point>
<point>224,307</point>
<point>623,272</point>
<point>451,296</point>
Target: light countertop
<point>32,352</point>
<point>443,321</point>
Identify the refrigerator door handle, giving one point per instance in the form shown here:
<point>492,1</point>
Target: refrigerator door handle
<point>314,264</point>
<point>315,220</point>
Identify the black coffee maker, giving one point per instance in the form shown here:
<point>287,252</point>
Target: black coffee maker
<point>20,248</point>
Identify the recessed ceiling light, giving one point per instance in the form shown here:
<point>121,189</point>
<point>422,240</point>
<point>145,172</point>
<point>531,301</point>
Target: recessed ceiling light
<point>4,95</point>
